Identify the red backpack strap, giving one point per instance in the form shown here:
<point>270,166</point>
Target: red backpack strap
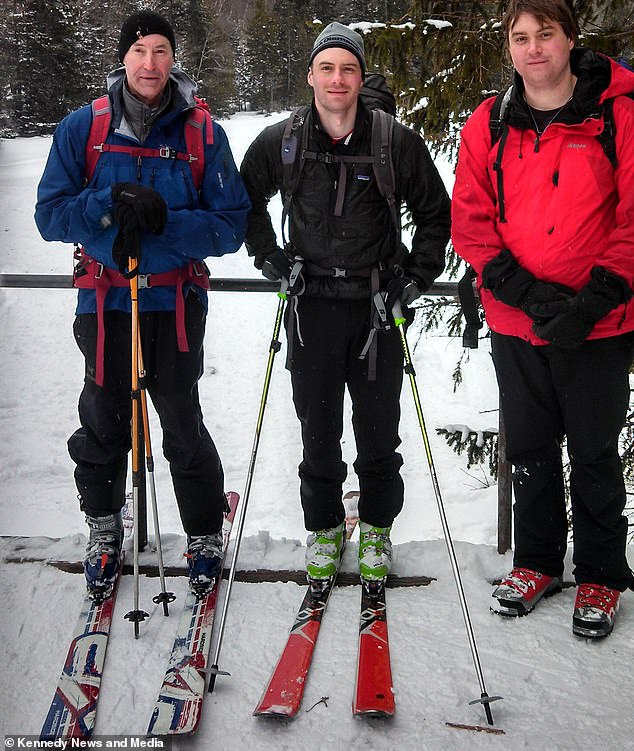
<point>101,116</point>
<point>199,121</point>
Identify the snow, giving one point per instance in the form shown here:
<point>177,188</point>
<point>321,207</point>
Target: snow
<point>438,24</point>
<point>560,692</point>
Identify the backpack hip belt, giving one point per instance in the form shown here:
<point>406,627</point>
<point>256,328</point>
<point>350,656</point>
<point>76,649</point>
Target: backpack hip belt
<point>91,274</point>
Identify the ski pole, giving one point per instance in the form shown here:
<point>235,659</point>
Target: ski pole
<point>136,615</point>
<point>484,699</point>
<point>163,597</point>
<point>273,350</point>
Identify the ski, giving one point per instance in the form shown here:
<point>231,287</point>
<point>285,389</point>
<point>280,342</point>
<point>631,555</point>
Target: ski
<point>373,693</point>
<point>73,710</point>
<point>179,704</point>
<point>283,694</point>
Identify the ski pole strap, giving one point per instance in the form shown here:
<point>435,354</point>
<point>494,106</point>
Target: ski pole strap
<point>292,327</point>
<point>91,274</point>
<point>378,322</point>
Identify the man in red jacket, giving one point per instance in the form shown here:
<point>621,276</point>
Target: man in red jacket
<point>547,222</point>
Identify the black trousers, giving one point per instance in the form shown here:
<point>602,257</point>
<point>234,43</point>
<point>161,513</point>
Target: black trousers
<point>333,333</point>
<point>583,393</point>
<point>101,445</point>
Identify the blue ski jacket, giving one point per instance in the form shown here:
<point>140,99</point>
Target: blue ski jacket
<point>210,221</point>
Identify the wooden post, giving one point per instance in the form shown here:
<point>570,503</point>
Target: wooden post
<point>505,492</point>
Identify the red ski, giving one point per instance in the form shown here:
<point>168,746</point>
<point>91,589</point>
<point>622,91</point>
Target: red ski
<point>283,695</point>
<point>373,693</point>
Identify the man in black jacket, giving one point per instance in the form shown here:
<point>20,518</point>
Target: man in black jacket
<point>345,238</point>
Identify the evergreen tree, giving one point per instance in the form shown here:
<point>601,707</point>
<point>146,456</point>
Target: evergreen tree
<point>452,54</point>
<point>205,51</point>
<point>241,75</point>
<point>262,63</point>
<point>8,66</point>
<point>294,42</point>
<point>49,78</point>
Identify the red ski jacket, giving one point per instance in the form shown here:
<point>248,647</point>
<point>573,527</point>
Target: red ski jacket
<point>567,208</point>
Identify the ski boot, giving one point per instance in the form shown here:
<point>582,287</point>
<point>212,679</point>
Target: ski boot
<point>375,556</point>
<point>204,560</point>
<point>103,555</point>
<point>324,549</point>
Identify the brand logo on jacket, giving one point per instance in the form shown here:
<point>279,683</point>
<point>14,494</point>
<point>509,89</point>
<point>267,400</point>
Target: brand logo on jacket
<point>577,145</point>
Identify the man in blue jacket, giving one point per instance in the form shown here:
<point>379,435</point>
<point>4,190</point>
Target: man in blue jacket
<point>148,197</point>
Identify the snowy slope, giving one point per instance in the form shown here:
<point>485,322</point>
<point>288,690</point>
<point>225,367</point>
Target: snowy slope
<point>559,692</point>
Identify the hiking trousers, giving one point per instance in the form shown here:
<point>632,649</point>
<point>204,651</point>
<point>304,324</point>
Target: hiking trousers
<point>334,333</point>
<point>583,394</point>
<point>101,445</point>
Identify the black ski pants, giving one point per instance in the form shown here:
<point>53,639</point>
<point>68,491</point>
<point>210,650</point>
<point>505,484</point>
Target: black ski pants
<point>334,333</point>
<point>100,446</point>
<point>583,394</point>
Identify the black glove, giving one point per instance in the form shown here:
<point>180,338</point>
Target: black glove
<point>604,292</point>
<point>126,246</point>
<point>280,266</point>
<point>136,207</point>
<point>546,300</point>
<point>513,285</point>
<point>276,266</point>
<point>401,289</point>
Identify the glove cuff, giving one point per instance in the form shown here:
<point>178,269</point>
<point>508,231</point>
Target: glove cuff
<point>609,285</point>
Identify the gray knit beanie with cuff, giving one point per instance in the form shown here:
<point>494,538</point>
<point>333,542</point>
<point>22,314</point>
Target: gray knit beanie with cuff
<point>338,35</point>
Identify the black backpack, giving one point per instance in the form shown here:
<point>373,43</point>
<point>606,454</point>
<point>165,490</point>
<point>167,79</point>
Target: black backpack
<point>376,96</point>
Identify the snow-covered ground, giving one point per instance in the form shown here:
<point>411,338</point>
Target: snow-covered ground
<point>560,693</point>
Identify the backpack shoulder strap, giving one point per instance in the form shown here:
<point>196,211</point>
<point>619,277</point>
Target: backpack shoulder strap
<point>101,117</point>
<point>607,137</point>
<point>497,117</point>
<point>383,166</point>
<point>292,137</point>
<point>294,142</point>
<point>199,121</point>
<point>499,132</point>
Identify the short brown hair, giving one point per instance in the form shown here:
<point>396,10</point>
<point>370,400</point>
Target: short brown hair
<point>543,10</point>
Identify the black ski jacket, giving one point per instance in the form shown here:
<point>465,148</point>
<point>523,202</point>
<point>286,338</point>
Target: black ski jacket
<point>364,235</point>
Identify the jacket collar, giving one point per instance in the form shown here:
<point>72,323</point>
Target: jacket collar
<point>183,89</point>
<point>593,72</point>
<point>362,127</point>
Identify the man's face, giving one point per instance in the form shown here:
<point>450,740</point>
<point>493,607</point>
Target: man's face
<point>148,63</point>
<point>335,76</point>
<point>540,51</point>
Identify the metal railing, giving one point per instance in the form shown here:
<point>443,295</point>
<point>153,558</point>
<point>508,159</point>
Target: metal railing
<point>218,284</point>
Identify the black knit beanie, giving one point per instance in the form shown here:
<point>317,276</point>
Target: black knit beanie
<point>142,24</point>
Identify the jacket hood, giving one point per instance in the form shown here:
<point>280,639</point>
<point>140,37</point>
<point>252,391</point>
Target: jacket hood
<point>184,86</point>
<point>621,80</point>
